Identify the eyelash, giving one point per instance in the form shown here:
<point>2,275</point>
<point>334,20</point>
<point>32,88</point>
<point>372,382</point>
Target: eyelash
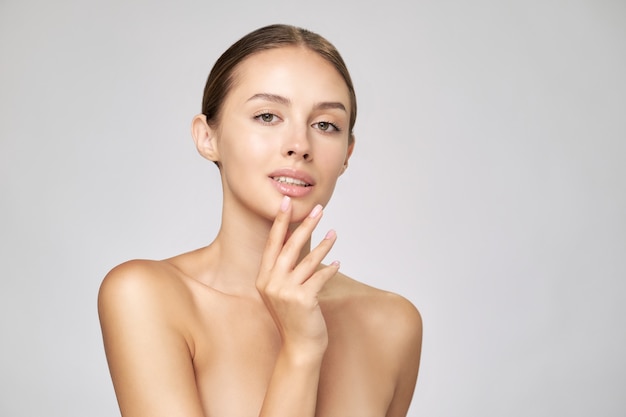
<point>259,117</point>
<point>332,125</point>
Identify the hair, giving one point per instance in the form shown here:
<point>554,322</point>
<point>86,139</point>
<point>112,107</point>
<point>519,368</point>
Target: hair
<point>220,79</point>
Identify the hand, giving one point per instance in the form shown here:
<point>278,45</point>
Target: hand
<point>290,289</point>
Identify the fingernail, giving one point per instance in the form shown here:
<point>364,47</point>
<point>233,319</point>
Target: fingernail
<point>331,234</point>
<point>284,205</point>
<point>336,263</point>
<point>316,211</point>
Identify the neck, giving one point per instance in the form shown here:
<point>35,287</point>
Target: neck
<point>238,249</point>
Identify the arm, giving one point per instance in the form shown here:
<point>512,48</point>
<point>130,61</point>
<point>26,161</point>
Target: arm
<point>149,357</point>
<point>407,337</point>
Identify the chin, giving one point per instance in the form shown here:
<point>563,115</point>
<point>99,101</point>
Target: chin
<point>301,209</point>
<point>298,216</point>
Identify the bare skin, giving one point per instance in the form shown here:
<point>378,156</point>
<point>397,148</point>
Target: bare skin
<point>254,324</point>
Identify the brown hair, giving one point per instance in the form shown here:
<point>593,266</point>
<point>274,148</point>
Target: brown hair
<point>220,79</point>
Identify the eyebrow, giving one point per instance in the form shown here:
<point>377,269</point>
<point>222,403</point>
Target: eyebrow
<point>325,105</point>
<point>330,105</point>
<point>271,97</point>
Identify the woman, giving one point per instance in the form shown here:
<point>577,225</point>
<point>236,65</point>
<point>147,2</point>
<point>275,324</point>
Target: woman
<point>254,324</point>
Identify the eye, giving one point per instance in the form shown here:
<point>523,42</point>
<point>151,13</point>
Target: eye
<point>326,127</point>
<point>267,118</point>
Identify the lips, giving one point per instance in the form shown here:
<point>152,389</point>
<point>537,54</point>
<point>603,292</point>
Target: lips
<point>292,182</point>
<point>292,176</point>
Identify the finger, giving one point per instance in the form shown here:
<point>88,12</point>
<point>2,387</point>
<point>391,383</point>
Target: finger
<point>277,235</point>
<point>311,262</point>
<point>291,250</point>
<point>317,281</point>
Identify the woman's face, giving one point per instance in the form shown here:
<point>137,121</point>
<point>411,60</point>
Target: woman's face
<point>283,130</point>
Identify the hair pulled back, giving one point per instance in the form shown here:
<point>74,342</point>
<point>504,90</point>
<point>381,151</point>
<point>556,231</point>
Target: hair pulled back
<point>220,79</point>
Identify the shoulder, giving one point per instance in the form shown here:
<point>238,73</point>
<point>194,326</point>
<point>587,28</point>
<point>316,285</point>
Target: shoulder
<point>140,278</point>
<point>384,326</point>
<point>143,287</point>
<point>142,297</point>
<point>385,313</point>
<point>147,326</point>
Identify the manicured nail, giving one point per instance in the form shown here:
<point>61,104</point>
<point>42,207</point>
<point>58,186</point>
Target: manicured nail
<point>331,234</point>
<point>336,263</point>
<point>284,205</point>
<point>316,211</point>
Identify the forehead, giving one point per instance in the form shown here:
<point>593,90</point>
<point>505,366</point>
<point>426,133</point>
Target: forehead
<point>293,71</point>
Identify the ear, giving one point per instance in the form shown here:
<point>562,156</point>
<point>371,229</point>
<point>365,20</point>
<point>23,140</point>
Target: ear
<point>205,138</point>
<point>348,154</point>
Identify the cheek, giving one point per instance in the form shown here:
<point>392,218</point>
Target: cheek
<point>333,158</point>
<point>244,148</point>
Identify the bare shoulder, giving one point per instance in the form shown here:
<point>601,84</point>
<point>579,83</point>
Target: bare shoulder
<point>382,310</point>
<point>386,322</point>
<point>384,328</point>
<point>144,289</point>
<point>147,322</point>
<point>140,279</point>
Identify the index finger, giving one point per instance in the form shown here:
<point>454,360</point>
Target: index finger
<point>277,235</point>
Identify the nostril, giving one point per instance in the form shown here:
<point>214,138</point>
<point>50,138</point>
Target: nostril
<point>305,156</point>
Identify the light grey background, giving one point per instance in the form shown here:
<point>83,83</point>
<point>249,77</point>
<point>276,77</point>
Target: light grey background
<point>487,186</point>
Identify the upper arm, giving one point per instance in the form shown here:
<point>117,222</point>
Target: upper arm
<point>407,337</point>
<point>148,355</point>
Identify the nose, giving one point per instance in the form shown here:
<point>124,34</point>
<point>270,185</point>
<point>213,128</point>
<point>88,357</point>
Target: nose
<point>297,145</point>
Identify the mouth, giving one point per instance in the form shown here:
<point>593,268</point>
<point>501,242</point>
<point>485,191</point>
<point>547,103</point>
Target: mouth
<point>291,181</point>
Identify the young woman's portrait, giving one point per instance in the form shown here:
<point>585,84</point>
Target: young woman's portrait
<point>255,323</point>
<point>322,209</point>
